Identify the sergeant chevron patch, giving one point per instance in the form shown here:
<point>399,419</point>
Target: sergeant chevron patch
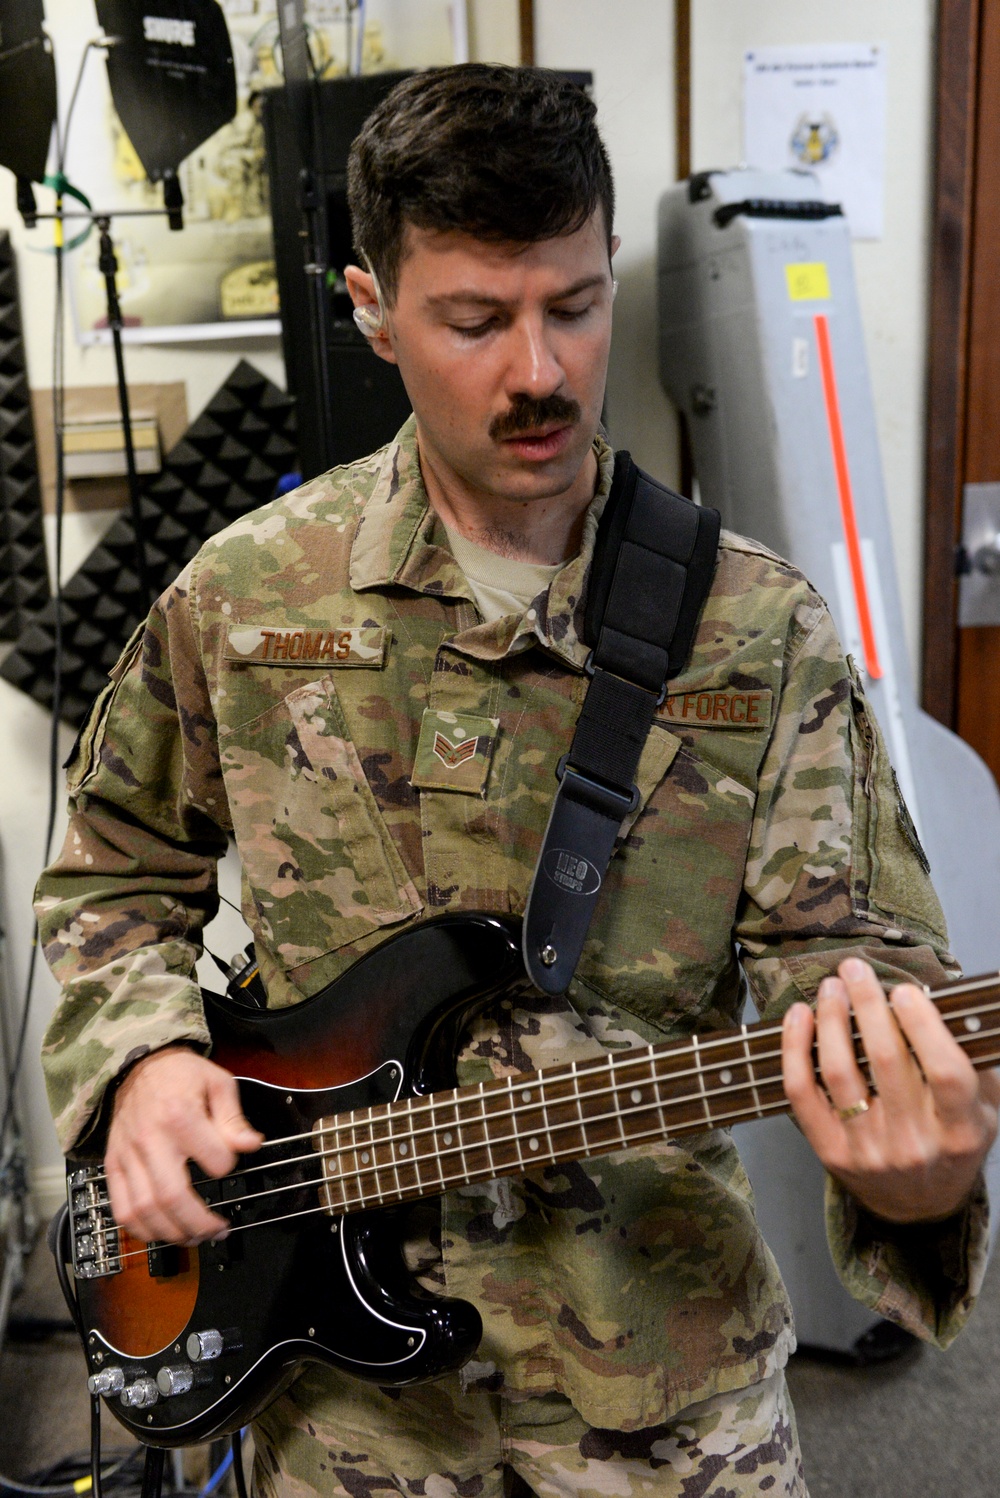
<point>454,752</point>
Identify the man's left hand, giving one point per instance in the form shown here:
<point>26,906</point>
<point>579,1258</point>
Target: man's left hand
<point>913,1154</point>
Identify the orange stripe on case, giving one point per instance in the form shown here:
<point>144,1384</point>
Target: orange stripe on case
<point>847,514</point>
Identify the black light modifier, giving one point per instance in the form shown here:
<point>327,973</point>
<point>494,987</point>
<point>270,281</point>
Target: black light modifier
<point>171,74</point>
<point>27,89</point>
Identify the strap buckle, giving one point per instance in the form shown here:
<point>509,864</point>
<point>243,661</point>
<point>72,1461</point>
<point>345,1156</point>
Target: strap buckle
<point>589,669</point>
<point>605,799</point>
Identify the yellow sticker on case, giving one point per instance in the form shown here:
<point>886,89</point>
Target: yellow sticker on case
<point>808,281</point>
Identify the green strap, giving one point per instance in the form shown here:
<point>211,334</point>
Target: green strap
<point>63,188</point>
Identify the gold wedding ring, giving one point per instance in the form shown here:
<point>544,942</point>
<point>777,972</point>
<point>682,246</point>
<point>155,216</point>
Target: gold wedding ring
<point>861,1106</point>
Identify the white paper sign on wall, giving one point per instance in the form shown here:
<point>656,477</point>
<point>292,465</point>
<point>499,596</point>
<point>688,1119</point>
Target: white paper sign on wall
<point>821,107</point>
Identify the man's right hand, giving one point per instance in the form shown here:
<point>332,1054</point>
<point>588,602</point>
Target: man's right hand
<point>173,1106</point>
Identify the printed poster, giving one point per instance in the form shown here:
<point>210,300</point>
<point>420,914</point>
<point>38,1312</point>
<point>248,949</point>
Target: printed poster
<point>821,108</point>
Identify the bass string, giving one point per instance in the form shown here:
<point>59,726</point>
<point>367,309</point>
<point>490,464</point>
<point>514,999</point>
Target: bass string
<point>457,1180</point>
<point>365,1174</point>
<point>616,1062</point>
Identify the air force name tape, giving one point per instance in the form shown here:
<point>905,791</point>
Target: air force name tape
<point>273,646</point>
<point>718,709</point>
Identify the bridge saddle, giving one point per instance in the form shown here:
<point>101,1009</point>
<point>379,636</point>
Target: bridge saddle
<point>95,1236</point>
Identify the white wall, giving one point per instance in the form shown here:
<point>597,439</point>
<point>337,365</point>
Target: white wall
<point>628,44</point>
<point>892,272</point>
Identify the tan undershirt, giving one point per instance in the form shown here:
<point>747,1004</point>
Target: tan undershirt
<point>500,585</point>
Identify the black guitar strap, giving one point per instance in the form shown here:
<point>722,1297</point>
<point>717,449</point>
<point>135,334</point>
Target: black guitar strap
<point>653,566</point>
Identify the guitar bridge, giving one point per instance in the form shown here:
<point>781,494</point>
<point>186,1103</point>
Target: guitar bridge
<point>95,1237</point>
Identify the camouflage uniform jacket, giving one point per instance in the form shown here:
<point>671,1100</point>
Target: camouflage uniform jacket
<point>319,682</point>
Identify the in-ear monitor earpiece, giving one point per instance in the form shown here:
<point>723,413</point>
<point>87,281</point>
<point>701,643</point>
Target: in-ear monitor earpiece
<point>370,321</point>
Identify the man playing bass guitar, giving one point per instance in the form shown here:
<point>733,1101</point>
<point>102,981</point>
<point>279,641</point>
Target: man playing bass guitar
<point>369,683</point>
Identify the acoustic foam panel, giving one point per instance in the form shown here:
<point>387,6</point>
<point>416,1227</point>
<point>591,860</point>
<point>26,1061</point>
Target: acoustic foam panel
<point>24,578</point>
<point>227,463</point>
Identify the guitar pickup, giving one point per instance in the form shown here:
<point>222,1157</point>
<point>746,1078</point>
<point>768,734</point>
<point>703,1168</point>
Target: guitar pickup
<point>163,1259</point>
<point>224,1197</point>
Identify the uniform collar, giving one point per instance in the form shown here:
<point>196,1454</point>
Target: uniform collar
<point>400,543</point>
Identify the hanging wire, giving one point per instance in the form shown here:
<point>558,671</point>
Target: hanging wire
<point>62,136</point>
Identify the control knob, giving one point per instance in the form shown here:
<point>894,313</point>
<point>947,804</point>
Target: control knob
<point>175,1378</point>
<point>203,1346</point>
<point>140,1394</point>
<point>108,1381</point>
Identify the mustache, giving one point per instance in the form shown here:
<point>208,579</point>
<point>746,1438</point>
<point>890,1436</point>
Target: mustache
<point>528,413</point>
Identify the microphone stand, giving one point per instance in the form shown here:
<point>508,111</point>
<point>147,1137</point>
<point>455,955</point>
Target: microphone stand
<point>108,266</point>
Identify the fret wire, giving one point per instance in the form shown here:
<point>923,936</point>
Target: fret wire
<point>513,1111</point>
<point>354,1151</point>
<point>655,1082</point>
<point>376,1171</point>
<point>543,1109</point>
<point>415,1151</point>
<point>753,1076</point>
<point>616,1092</point>
<point>486,1130</point>
<point>435,1141</point>
<point>701,1080</point>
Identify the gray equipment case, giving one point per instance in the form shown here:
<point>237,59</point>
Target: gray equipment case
<point>762,349</point>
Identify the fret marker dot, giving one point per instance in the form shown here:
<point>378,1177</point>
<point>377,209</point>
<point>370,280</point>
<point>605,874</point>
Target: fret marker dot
<point>365,1157</point>
<point>635,1095</point>
<point>973,1022</point>
<point>532,1144</point>
<point>447,1137</point>
<point>725,1077</point>
<point>526,1096</point>
<point>402,1149</point>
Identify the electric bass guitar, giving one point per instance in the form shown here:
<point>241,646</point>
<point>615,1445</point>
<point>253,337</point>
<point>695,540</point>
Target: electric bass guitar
<point>354,1091</point>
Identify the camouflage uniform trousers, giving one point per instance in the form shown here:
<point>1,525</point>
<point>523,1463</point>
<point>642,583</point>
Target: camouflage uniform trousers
<point>437,1442</point>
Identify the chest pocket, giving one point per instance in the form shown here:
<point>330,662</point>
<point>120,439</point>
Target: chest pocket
<point>318,857</point>
<point>661,946</point>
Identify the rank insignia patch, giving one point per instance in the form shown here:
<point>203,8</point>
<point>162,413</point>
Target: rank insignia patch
<point>454,752</point>
<point>453,755</point>
<point>274,646</point>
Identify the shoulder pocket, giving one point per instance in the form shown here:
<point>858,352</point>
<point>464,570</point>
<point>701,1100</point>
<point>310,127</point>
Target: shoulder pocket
<point>890,880</point>
<point>322,868</point>
<point>86,752</point>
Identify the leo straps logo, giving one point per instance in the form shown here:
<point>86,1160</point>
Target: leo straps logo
<point>164,29</point>
<point>570,872</point>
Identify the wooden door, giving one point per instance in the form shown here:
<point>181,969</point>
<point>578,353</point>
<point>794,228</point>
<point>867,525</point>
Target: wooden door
<point>962,666</point>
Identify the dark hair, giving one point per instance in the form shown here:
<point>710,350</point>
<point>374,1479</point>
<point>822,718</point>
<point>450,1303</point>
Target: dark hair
<point>506,154</point>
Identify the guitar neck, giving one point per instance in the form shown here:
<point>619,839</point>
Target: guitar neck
<point>421,1146</point>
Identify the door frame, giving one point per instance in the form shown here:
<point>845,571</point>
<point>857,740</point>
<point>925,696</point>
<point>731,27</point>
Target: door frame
<point>952,229</point>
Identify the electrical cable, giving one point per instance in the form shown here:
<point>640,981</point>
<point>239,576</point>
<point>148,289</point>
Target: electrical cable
<point>238,1473</point>
<point>220,1471</point>
<point>96,1484</point>
<point>72,1485</point>
<point>58,421</point>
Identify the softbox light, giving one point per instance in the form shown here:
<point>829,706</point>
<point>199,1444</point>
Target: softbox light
<point>171,74</point>
<point>27,88</point>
